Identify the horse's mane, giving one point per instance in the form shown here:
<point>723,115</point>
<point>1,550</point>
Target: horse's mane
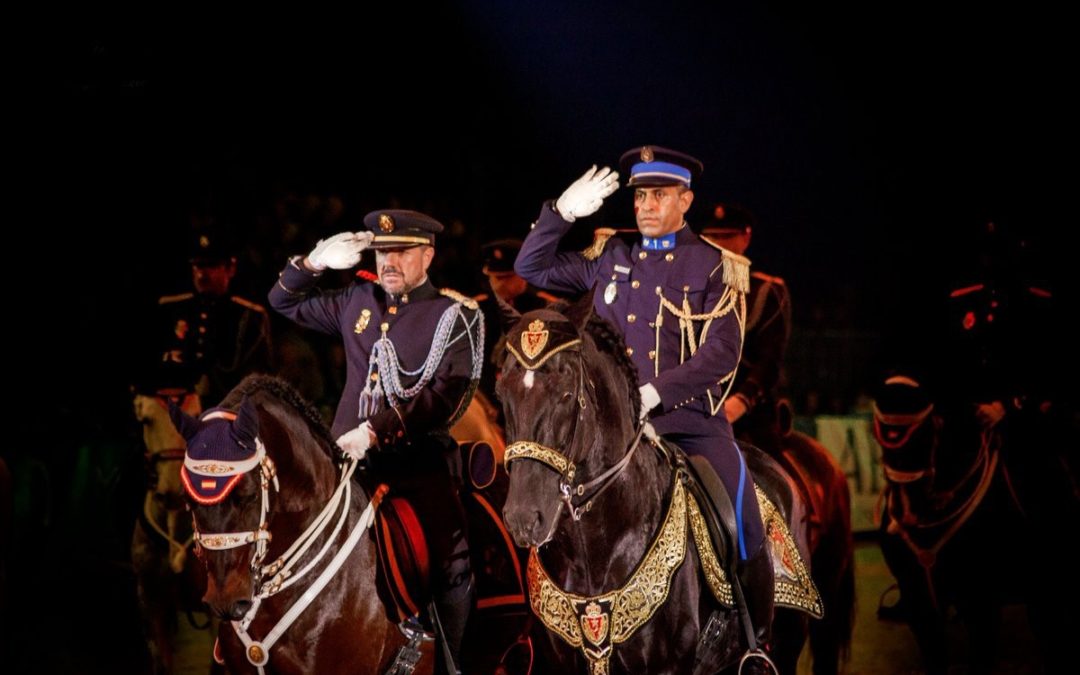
<point>609,340</point>
<point>283,391</point>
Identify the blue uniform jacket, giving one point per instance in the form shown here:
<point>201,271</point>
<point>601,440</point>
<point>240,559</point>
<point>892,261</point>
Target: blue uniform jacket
<point>411,326</point>
<point>690,271</point>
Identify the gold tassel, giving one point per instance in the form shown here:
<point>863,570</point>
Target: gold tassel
<point>736,271</point>
<point>600,237</point>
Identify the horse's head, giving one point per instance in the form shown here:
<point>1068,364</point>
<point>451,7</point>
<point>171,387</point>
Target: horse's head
<point>906,428</point>
<point>227,478</point>
<point>569,407</point>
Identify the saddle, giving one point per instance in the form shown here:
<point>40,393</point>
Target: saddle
<point>405,559</point>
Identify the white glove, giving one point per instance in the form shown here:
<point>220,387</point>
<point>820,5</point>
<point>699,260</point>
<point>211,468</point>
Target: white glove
<point>587,193</point>
<point>339,252</point>
<point>649,399</point>
<point>355,443</point>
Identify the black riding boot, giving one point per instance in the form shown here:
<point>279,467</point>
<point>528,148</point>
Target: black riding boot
<point>756,579</point>
<point>453,607</point>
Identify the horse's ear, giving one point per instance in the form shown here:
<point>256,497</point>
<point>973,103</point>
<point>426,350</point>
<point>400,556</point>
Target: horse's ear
<point>246,425</point>
<point>581,311</point>
<point>187,425</point>
<point>508,316</point>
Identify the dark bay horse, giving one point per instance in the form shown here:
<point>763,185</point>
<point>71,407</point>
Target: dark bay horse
<point>621,573</point>
<point>284,532</point>
<point>968,524</point>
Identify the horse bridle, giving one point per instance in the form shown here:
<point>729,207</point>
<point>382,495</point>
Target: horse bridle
<point>222,541</point>
<point>563,464</point>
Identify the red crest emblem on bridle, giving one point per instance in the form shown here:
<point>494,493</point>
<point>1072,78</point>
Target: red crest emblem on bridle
<point>534,340</point>
<point>595,624</point>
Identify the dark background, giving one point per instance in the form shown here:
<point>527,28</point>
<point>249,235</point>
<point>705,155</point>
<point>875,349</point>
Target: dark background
<point>874,143</point>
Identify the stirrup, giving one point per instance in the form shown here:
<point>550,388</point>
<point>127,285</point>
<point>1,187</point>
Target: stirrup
<point>408,656</point>
<point>756,653</point>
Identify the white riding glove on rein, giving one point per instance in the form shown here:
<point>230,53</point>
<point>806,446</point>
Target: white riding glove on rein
<point>339,252</point>
<point>650,398</point>
<point>356,443</point>
<point>586,194</point>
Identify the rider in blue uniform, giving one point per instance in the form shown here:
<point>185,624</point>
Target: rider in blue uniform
<point>679,303</point>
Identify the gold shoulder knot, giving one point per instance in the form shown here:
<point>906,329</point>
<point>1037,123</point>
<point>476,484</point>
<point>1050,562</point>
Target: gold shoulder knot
<point>600,239</point>
<point>458,297</point>
<point>169,299</point>
<point>767,278</point>
<point>254,306</point>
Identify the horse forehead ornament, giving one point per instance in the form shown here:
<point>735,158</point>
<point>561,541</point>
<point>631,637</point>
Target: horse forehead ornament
<point>546,335</point>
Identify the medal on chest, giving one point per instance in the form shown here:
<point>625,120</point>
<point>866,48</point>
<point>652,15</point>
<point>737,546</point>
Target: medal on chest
<point>609,293</point>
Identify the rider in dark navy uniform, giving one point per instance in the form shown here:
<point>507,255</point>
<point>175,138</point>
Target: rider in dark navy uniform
<point>413,356</point>
<point>751,407</point>
<point>679,303</point>
<point>206,341</point>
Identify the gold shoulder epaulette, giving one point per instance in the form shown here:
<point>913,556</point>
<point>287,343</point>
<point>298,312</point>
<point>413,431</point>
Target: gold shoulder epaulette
<point>768,278</point>
<point>254,306</point>
<point>458,297</point>
<point>736,269</point>
<point>600,239</point>
<point>167,299</point>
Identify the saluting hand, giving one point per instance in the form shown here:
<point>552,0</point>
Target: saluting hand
<point>586,194</point>
<point>339,252</point>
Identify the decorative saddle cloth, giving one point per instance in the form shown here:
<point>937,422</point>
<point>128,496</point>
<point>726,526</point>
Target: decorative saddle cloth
<point>712,519</point>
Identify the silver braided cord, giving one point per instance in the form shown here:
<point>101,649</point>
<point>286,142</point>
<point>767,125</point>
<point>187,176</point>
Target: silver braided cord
<point>390,371</point>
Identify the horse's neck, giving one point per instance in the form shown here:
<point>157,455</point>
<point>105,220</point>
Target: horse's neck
<point>601,551</point>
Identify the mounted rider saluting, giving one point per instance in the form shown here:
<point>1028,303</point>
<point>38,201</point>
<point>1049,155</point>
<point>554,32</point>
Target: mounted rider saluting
<point>679,303</point>
<point>414,355</point>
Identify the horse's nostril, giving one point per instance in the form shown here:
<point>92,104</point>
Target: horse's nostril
<point>239,609</point>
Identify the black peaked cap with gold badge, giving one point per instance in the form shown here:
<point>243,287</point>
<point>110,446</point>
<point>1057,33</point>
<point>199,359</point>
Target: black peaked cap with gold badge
<point>400,228</point>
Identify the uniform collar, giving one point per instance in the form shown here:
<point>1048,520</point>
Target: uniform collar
<point>425,291</point>
<point>667,242</point>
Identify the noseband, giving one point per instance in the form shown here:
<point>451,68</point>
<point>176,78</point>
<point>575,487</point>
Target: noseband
<point>577,497</point>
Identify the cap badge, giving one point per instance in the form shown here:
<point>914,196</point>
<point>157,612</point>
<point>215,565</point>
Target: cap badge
<point>534,340</point>
<point>646,154</point>
<point>204,241</point>
<point>386,222</point>
<point>497,253</point>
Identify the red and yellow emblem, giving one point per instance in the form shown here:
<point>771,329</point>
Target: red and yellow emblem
<point>386,222</point>
<point>534,340</point>
<point>594,624</point>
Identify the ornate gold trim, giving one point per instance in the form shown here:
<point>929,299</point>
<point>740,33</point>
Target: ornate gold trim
<point>541,453</point>
<point>525,362</point>
<point>623,610</point>
<point>794,587</point>
<point>714,573</point>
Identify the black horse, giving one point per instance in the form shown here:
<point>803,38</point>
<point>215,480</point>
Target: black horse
<point>967,522</point>
<point>621,571</point>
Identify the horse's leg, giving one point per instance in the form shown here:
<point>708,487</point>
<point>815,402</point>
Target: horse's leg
<point>153,594</point>
<point>833,567</point>
<point>789,636</point>
<point>926,622</point>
